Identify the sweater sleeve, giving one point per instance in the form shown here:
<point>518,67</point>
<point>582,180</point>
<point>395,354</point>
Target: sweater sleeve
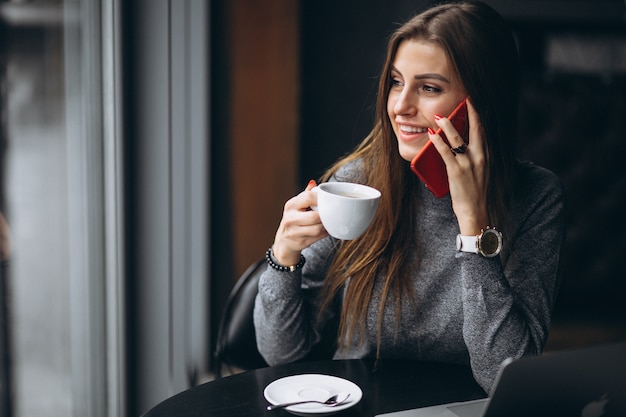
<point>507,307</point>
<point>286,313</point>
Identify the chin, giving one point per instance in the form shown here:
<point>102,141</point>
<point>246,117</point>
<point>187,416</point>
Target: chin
<point>408,154</point>
<point>408,150</point>
<point>407,158</point>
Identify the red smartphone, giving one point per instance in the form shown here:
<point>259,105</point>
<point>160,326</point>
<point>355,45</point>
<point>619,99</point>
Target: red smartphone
<point>428,164</point>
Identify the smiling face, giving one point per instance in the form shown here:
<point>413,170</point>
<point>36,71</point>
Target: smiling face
<point>422,85</point>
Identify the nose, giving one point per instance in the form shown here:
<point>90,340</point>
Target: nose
<point>406,103</point>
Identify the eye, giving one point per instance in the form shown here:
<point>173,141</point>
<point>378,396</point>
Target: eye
<point>395,82</point>
<point>431,89</point>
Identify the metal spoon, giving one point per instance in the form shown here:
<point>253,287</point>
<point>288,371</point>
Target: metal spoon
<point>333,401</point>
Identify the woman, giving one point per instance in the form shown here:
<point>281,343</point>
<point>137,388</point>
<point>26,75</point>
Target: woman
<point>403,289</point>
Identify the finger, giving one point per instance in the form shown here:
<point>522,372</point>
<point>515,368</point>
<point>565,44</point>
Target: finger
<point>300,203</point>
<point>312,184</point>
<point>299,230</point>
<point>297,226</point>
<point>304,200</point>
<point>442,147</point>
<point>311,196</point>
<point>452,135</point>
<point>475,127</point>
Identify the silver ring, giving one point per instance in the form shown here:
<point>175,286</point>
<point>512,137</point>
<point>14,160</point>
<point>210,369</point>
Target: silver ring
<point>459,150</point>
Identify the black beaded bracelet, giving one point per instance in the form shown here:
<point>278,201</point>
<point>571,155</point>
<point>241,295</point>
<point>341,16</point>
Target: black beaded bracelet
<point>293,268</point>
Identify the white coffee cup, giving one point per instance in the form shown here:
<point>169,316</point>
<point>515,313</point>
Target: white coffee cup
<point>346,209</point>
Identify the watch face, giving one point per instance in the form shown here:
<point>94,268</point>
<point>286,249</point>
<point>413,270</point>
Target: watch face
<point>490,243</point>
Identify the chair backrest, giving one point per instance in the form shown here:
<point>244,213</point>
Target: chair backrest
<point>236,341</point>
<point>236,348</point>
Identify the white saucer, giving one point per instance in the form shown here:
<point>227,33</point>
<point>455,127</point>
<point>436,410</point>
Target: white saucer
<point>311,387</point>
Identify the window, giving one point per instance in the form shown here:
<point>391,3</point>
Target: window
<point>80,304</point>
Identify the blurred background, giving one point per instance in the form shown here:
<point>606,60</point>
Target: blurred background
<point>147,148</point>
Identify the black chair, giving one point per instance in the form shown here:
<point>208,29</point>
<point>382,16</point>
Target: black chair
<point>236,348</point>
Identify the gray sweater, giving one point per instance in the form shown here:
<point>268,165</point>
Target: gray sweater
<point>469,310</point>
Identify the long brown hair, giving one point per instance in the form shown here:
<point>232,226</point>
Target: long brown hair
<point>483,55</point>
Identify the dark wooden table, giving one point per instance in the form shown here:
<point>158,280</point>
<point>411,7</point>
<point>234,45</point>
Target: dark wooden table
<point>394,385</point>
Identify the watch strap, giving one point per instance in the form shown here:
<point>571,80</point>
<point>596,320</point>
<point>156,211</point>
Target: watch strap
<point>467,243</point>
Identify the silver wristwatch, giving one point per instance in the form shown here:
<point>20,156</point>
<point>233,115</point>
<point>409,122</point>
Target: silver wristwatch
<point>488,243</point>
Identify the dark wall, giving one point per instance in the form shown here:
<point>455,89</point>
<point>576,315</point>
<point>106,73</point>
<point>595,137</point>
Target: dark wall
<point>575,125</point>
<point>342,50</point>
<point>572,121</point>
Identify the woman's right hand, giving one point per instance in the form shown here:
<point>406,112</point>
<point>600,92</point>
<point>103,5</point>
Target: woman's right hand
<point>299,227</point>
<point>467,173</point>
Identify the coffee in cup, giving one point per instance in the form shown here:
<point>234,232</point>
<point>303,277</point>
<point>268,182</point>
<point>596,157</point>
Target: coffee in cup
<point>346,209</point>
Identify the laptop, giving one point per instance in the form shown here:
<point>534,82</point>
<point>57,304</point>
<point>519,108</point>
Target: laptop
<point>588,382</point>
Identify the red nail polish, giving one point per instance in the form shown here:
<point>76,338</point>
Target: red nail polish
<point>312,183</point>
<point>438,117</point>
<point>431,131</point>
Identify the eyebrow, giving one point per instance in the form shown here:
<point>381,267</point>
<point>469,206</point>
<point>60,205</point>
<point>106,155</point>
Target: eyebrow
<point>430,76</point>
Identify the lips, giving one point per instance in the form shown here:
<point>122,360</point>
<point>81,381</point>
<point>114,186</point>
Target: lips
<point>410,133</point>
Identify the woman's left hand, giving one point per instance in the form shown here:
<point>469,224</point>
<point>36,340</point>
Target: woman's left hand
<point>467,173</point>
